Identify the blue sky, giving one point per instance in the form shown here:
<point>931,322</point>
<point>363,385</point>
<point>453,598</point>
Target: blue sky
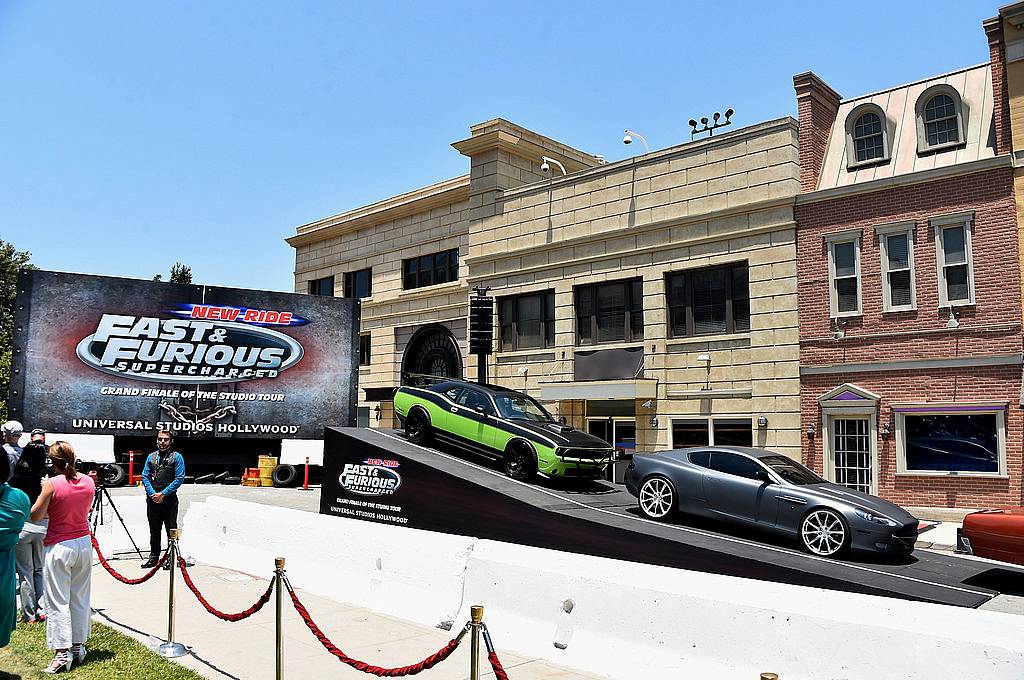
<point>137,134</point>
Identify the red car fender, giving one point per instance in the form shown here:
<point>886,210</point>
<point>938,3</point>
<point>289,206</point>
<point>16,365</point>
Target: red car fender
<point>996,534</point>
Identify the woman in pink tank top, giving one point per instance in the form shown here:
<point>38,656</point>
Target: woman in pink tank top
<point>67,561</point>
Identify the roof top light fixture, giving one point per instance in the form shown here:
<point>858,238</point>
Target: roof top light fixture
<point>715,124</point>
<point>628,139</point>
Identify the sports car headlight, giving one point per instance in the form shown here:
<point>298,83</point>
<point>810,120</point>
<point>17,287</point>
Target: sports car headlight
<point>875,519</point>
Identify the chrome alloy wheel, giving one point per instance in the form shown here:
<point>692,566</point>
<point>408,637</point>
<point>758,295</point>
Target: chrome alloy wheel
<point>823,532</point>
<point>657,498</point>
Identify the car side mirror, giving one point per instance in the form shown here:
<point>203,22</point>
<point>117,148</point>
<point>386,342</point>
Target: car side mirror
<point>481,409</point>
<point>763,477</point>
<point>562,420</point>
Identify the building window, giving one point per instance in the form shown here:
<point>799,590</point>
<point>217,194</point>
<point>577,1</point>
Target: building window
<point>844,273</point>
<point>716,432</point>
<point>610,312</point>
<point>867,136</point>
<point>940,119</point>
<point>709,301</point>
<point>364,350</point>
<point>951,440</point>
<point>358,284</point>
<point>896,245</point>
<point>954,257</point>
<point>324,286</point>
<point>527,321</point>
<point>430,270</point>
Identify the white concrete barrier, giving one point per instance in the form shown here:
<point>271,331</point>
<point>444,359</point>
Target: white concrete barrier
<point>112,537</point>
<point>620,619</point>
<point>629,620</point>
<point>406,572</point>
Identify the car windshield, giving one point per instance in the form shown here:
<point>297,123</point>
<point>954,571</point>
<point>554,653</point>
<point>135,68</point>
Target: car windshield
<point>791,471</point>
<point>521,407</point>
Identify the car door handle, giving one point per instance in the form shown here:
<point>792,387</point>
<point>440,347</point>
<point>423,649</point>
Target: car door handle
<point>454,409</point>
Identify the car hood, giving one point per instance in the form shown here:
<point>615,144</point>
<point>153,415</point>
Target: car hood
<point>563,435</point>
<point>837,492</point>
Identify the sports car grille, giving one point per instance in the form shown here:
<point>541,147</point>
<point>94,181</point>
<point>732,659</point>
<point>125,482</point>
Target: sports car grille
<point>570,455</point>
<point>907,531</point>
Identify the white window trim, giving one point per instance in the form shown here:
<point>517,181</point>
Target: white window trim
<point>966,220</point>
<point>947,409</point>
<point>883,232</point>
<point>961,114</point>
<point>849,236</point>
<point>851,147</point>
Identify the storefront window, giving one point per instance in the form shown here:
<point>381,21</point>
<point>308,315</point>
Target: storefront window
<point>717,432</point>
<point>687,433</point>
<point>951,442</point>
<point>734,433</point>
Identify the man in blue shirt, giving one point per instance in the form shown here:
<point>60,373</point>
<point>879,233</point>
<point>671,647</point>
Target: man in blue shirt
<point>162,474</point>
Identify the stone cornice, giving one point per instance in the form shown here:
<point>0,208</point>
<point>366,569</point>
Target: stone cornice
<point>514,139</point>
<point>449,191</point>
<point>697,146</point>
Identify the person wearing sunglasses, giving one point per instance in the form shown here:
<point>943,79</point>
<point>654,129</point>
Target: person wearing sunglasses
<point>162,474</point>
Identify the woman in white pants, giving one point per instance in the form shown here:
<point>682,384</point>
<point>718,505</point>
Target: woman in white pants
<point>67,563</point>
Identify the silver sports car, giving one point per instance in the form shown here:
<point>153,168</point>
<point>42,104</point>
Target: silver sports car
<point>770,491</point>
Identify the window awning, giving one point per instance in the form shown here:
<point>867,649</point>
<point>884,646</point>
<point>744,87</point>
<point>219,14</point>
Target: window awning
<point>637,388</point>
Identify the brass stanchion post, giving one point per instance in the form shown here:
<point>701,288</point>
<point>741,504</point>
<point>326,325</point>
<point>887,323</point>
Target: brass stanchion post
<point>769,676</point>
<point>278,585</point>
<point>476,617</point>
<point>171,649</point>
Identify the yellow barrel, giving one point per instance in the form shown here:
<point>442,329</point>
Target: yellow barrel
<point>268,462</point>
<point>266,481</point>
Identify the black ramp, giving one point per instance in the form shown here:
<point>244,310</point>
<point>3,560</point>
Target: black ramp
<point>378,476</point>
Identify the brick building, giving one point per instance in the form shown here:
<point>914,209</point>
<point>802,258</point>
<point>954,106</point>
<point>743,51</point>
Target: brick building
<point>909,288</point>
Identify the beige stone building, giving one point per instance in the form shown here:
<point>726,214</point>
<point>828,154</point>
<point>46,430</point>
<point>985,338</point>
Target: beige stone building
<point>651,301</point>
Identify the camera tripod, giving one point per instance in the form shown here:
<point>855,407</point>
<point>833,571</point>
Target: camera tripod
<point>96,514</point>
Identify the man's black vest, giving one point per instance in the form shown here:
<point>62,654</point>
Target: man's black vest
<point>161,470</point>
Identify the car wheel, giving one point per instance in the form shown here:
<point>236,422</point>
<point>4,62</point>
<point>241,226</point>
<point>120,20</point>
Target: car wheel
<point>657,498</point>
<point>823,532</point>
<point>520,463</point>
<point>417,427</point>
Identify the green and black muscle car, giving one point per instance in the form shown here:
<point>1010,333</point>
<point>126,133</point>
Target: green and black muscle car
<point>502,424</point>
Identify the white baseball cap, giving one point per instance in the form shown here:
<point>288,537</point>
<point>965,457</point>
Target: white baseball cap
<point>11,428</point>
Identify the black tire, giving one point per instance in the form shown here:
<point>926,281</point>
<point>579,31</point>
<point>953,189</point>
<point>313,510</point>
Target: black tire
<point>417,426</point>
<point>824,532</point>
<point>231,481</point>
<point>220,477</point>
<point>113,474</point>
<point>657,498</point>
<point>204,479</point>
<point>520,461</point>
<point>286,476</point>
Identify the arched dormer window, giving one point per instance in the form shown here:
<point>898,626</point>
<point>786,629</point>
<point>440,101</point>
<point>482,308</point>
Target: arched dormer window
<point>867,136</point>
<point>940,119</point>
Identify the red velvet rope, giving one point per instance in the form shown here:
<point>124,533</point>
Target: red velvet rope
<point>413,669</point>
<point>264,598</point>
<point>499,672</point>
<point>124,579</point>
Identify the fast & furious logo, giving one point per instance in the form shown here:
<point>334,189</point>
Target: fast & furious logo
<point>204,348</point>
<point>375,477</point>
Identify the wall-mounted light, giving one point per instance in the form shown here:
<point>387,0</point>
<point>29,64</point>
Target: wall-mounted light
<point>654,421</point>
<point>810,430</point>
<point>376,412</point>
<point>628,139</point>
<point>837,329</point>
<point>544,167</point>
<point>953,321</point>
<point>884,430</point>
<point>762,422</point>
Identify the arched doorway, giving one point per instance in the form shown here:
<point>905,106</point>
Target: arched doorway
<point>432,353</point>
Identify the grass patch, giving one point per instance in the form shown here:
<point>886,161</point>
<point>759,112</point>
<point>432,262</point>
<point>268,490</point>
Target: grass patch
<point>112,656</point>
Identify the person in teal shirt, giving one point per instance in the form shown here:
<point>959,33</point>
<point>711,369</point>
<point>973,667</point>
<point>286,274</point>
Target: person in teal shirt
<point>14,509</point>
